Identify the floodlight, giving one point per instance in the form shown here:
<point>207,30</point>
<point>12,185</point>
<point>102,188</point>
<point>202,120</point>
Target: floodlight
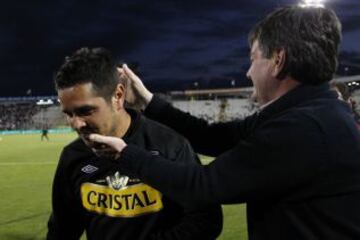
<point>312,3</point>
<point>42,102</point>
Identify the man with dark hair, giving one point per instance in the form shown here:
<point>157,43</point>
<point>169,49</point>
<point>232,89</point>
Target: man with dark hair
<point>295,162</point>
<point>89,191</point>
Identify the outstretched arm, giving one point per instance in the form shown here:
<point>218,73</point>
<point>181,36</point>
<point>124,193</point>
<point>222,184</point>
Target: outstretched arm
<point>265,166</point>
<point>207,139</point>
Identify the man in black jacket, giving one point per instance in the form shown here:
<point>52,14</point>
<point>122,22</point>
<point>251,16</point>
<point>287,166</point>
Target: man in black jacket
<point>296,162</point>
<point>90,192</point>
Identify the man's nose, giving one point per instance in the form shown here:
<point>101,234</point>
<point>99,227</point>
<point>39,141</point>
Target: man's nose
<point>77,122</point>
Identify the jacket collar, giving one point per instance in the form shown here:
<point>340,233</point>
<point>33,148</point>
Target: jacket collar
<point>136,119</point>
<point>301,94</point>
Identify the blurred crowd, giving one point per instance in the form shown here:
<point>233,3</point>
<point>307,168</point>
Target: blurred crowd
<point>17,116</point>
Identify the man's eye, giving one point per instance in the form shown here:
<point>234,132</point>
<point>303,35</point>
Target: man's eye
<point>85,112</point>
<point>67,114</point>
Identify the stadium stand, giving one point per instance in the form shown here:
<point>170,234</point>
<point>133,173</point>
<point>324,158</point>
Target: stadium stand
<point>217,110</point>
<point>23,113</point>
<point>17,115</point>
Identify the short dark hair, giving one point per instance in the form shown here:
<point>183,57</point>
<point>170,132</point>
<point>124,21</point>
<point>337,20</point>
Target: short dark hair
<point>86,65</point>
<point>310,37</point>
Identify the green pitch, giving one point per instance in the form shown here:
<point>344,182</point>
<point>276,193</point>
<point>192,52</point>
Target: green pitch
<point>27,166</point>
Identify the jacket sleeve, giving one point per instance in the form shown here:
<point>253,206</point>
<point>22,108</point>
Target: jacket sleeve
<point>198,222</point>
<point>273,161</point>
<point>66,221</point>
<point>202,135</point>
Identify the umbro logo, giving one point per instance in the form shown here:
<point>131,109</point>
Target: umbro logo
<point>155,153</point>
<point>89,169</point>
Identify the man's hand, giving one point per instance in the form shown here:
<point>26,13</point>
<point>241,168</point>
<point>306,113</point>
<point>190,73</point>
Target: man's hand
<point>137,95</point>
<point>114,145</point>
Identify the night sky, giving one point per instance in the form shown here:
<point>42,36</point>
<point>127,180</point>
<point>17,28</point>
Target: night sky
<point>173,43</point>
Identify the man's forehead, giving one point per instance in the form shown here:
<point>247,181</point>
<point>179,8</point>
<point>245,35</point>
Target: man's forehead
<point>78,97</point>
<point>81,88</point>
<point>79,92</point>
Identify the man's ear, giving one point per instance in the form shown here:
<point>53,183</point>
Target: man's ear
<point>279,58</point>
<point>119,96</point>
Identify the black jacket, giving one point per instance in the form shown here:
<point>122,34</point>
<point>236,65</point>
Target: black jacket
<point>296,164</point>
<point>93,194</point>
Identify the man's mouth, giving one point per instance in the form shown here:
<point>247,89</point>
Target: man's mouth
<point>84,135</point>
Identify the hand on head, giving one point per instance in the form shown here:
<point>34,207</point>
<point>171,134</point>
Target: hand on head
<point>137,95</point>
